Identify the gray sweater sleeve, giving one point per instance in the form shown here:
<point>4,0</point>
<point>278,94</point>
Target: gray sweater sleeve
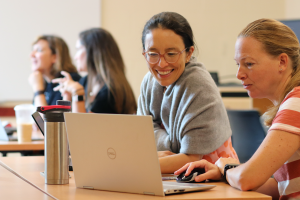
<point>162,138</point>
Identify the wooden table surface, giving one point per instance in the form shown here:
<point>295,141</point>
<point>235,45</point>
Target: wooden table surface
<point>30,168</point>
<point>23,146</point>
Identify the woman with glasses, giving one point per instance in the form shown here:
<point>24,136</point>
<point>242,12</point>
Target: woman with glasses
<point>189,118</point>
<point>267,53</point>
<point>105,89</point>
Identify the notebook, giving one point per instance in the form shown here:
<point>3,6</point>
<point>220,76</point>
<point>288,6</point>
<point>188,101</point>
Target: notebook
<point>118,153</point>
<point>5,137</point>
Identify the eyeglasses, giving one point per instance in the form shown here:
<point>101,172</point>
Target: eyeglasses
<point>170,57</point>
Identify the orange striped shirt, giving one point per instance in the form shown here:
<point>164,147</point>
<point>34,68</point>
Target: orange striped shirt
<point>288,119</point>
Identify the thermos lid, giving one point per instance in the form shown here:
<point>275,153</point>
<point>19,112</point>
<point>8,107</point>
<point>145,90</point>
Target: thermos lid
<point>54,113</point>
<point>45,109</point>
<point>63,102</point>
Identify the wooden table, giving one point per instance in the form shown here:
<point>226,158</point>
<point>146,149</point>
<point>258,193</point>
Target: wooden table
<point>24,146</point>
<point>30,168</point>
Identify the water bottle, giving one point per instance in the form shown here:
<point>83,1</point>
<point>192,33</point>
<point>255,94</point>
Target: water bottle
<point>56,144</point>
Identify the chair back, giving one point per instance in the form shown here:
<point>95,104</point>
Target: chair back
<point>247,132</point>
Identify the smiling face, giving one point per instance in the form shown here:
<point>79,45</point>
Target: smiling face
<point>166,41</point>
<point>80,57</point>
<point>259,71</point>
<point>41,57</point>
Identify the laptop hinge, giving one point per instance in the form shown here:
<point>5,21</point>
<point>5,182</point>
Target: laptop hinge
<point>149,193</point>
<point>88,187</point>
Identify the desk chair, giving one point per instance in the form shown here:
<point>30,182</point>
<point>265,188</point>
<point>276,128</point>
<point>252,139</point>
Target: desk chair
<point>247,132</point>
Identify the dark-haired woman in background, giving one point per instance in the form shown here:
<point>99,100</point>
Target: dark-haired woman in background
<point>105,89</point>
<point>189,118</point>
<point>50,56</point>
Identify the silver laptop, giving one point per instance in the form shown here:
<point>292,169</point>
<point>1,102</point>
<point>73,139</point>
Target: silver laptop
<point>5,137</point>
<point>118,153</point>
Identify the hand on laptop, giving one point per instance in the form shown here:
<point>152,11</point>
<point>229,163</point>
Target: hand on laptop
<point>212,171</point>
<point>164,153</point>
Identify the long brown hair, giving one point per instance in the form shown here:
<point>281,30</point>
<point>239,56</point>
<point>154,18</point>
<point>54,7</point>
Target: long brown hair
<point>105,63</point>
<point>276,38</point>
<point>58,47</point>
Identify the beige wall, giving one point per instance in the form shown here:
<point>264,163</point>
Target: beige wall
<point>215,23</point>
<point>20,24</point>
<point>292,9</point>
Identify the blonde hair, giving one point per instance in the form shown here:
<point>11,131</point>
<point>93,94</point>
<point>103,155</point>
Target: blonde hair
<point>276,38</point>
<point>58,47</point>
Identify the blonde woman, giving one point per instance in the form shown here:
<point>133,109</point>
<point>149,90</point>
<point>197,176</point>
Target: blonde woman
<point>268,59</point>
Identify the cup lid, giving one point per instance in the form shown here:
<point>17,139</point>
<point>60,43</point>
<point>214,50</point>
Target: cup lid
<point>24,107</point>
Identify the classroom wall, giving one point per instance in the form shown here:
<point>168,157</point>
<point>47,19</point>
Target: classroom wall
<point>20,24</point>
<point>292,9</point>
<point>215,23</point>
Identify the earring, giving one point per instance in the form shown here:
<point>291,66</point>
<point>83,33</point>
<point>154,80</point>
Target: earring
<point>281,69</point>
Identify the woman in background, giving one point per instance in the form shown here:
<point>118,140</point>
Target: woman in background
<point>49,56</point>
<point>267,53</point>
<point>189,118</point>
<point>105,89</point>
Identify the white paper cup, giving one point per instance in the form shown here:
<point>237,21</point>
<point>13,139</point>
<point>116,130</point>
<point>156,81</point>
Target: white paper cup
<point>24,121</point>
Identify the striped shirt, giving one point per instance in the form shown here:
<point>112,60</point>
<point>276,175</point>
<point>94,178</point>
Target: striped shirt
<point>288,119</point>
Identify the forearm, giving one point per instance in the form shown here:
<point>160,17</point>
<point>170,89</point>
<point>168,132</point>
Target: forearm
<point>269,188</point>
<point>170,164</point>
<point>78,107</point>
<point>40,100</point>
<point>246,178</point>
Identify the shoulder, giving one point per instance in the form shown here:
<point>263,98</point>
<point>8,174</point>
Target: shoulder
<point>75,76</point>
<point>288,113</point>
<point>197,78</point>
<point>196,71</point>
<point>291,101</point>
<point>148,82</point>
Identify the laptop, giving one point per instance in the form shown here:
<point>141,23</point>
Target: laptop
<point>118,153</point>
<point>5,137</point>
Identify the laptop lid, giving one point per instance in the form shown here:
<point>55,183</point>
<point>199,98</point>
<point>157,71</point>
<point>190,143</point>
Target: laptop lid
<point>114,152</point>
<point>118,153</point>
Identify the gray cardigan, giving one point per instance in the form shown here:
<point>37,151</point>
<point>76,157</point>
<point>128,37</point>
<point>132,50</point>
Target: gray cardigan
<point>191,111</point>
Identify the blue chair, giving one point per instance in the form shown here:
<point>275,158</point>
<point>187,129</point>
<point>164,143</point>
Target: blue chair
<point>247,132</point>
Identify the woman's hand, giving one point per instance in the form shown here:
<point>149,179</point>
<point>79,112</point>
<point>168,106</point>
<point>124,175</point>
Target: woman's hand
<point>164,153</point>
<point>212,172</point>
<point>67,86</point>
<point>36,81</point>
<point>221,162</point>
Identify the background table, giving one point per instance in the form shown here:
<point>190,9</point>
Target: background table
<point>30,168</point>
<point>24,146</point>
<point>238,98</point>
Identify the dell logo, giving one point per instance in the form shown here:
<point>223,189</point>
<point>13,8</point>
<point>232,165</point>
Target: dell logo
<point>111,153</point>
